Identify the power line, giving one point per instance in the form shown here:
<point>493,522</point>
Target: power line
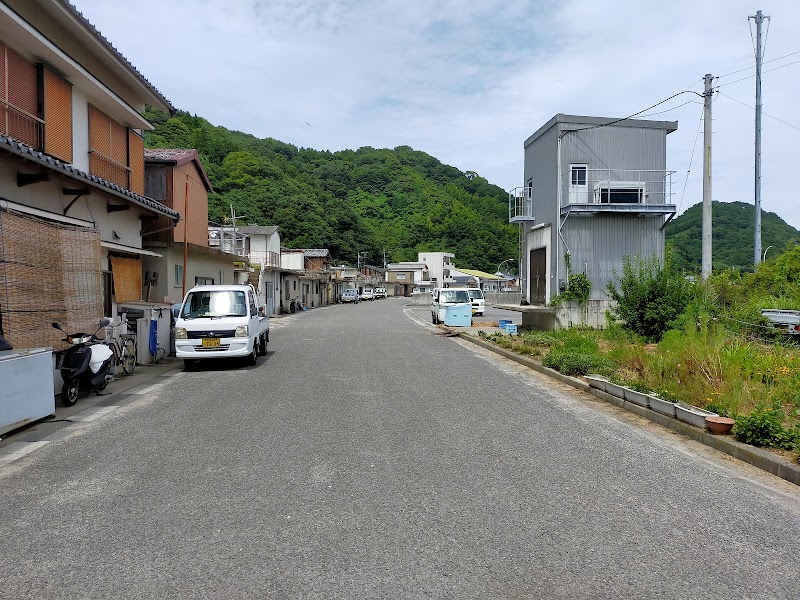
<point>763,63</point>
<point>636,113</point>
<point>763,72</point>
<point>661,112</point>
<point>763,113</point>
<point>691,159</point>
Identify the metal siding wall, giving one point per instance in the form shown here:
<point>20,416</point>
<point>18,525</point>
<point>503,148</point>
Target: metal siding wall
<point>604,240</point>
<point>541,164</point>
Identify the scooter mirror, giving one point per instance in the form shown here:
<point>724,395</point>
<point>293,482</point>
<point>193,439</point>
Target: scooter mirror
<point>105,323</point>
<point>55,325</point>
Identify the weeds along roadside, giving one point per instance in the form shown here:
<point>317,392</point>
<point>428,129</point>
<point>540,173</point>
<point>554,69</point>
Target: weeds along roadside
<point>719,353</point>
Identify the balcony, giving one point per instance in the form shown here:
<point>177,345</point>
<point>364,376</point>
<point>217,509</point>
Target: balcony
<point>265,259</point>
<point>623,191</point>
<point>22,126</point>
<point>520,205</point>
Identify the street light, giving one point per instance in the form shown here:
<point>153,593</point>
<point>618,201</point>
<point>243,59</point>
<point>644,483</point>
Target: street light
<point>502,263</point>
<point>765,254</point>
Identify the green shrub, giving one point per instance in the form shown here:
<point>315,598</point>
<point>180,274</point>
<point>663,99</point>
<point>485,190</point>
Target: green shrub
<point>570,362</point>
<point>764,428</point>
<point>651,296</point>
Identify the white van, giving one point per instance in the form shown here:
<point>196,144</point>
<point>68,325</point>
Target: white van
<point>444,297</point>
<point>478,301</point>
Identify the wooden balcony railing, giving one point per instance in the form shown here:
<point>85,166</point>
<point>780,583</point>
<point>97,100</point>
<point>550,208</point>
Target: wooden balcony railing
<point>22,126</point>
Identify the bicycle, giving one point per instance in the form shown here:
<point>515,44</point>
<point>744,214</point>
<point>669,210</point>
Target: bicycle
<point>123,347</point>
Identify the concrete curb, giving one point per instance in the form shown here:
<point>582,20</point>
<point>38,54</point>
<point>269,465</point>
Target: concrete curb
<point>749,454</point>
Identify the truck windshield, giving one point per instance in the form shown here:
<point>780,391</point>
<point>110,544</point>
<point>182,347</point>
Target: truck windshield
<point>454,296</point>
<point>215,303</point>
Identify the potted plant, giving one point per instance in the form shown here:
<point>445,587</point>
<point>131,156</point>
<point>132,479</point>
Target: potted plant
<point>663,404</point>
<point>637,394</point>
<point>692,414</point>
<point>597,381</point>
<point>720,425</point>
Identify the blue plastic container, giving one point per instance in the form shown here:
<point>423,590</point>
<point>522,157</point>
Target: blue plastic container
<point>511,328</point>
<point>502,323</point>
<point>458,315</point>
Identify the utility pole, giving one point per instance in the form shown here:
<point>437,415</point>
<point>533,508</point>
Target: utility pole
<point>759,19</point>
<point>706,237</point>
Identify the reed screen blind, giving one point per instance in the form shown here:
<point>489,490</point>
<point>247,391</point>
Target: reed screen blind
<point>18,99</point>
<point>108,148</point>
<point>127,273</point>
<point>48,272</point>
<point>57,116</point>
<point>136,152</point>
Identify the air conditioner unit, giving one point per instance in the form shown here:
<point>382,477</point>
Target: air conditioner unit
<point>619,192</point>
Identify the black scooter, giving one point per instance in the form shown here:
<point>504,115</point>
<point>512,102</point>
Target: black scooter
<point>86,365</point>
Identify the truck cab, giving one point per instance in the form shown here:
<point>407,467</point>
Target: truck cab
<point>221,321</point>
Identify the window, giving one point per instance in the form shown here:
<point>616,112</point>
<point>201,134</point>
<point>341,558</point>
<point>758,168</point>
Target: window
<point>578,174</point>
<point>178,275</point>
<point>204,281</point>
<point>294,286</point>
<point>401,277</point>
<point>253,309</point>
<point>222,277</point>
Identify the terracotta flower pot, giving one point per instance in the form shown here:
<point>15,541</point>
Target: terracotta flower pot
<point>719,425</point>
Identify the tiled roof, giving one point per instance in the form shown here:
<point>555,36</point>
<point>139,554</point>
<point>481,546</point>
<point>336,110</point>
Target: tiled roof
<point>258,229</point>
<point>28,153</point>
<point>79,15</point>
<point>177,156</point>
<point>316,252</point>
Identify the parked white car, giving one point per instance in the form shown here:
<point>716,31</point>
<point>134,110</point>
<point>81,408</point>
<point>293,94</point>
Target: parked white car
<point>478,301</point>
<point>368,294</point>
<point>221,321</point>
<point>380,293</point>
<point>444,297</point>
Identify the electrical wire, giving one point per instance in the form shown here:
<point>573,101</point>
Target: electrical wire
<point>661,112</point>
<point>691,159</point>
<point>763,73</point>
<point>636,113</point>
<point>763,62</point>
<point>762,112</point>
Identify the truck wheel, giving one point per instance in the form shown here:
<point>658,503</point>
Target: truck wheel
<point>69,392</point>
<point>253,358</point>
<point>433,318</point>
<point>189,364</point>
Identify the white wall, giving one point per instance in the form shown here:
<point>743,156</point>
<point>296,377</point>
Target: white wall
<point>80,130</point>
<point>293,260</point>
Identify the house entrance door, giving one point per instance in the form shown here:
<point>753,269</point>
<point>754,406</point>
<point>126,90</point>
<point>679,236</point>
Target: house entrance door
<point>538,275</point>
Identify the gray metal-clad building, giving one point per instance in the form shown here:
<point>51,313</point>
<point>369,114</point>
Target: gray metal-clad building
<point>595,188</point>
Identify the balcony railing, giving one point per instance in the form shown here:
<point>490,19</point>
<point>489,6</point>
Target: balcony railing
<point>616,186</point>
<point>520,205</point>
<point>265,259</point>
<point>109,169</point>
<point>21,126</point>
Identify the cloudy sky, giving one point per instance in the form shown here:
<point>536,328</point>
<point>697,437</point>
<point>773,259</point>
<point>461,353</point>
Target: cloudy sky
<point>468,80</point>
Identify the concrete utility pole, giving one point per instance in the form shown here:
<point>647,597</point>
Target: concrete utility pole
<point>759,19</point>
<point>706,267</point>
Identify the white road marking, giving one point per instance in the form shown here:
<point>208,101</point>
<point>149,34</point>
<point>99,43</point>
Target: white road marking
<point>16,450</point>
<point>410,314</point>
<point>143,389</point>
<point>92,414</point>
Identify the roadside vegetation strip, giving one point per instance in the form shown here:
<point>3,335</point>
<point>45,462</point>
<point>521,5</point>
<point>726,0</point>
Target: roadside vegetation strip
<point>755,456</point>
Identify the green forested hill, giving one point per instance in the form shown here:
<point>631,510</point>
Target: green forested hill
<point>733,225</point>
<point>398,201</point>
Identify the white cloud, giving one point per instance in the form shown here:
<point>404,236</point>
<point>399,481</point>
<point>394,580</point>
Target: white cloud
<point>469,80</point>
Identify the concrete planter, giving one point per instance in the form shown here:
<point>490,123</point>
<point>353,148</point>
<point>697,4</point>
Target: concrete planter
<point>693,415</point>
<point>635,397</point>
<point>597,382</point>
<point>615,390</point>
<point>663,406</point>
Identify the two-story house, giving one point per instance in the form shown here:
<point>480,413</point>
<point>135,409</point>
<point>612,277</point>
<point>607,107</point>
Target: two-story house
<point>404,277</point>
<point>73,207</point>
<point>596,190</point>
<point>177,179</point>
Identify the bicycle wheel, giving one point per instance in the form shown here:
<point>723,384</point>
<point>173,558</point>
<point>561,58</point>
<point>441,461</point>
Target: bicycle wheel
<point>128,358</point>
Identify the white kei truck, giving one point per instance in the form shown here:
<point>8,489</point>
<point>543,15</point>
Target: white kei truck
<point>221,321</point>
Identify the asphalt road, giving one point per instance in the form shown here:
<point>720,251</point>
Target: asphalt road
<point>367,457</point>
